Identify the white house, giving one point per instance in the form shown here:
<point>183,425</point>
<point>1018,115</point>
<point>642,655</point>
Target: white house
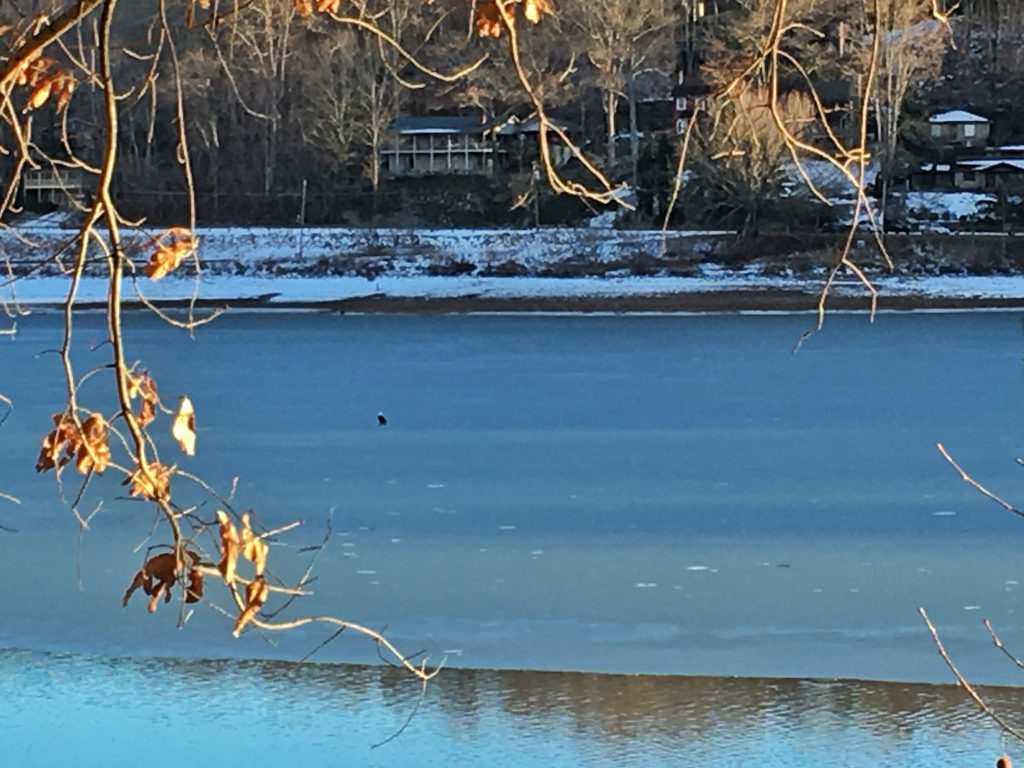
<point>959,127</point>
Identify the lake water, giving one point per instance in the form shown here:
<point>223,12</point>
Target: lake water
<point>660,495</point>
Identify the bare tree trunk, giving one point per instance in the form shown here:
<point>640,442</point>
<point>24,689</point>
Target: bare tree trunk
<point>375,143</point>
<point>634,137</point>
<point>215,172</point>
<point>611,103</point>
<point>268,157</point>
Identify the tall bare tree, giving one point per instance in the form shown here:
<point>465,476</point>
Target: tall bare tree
<point>621,38</point>
<point>255,53</point>
<point>745,157</point>
<point>911,46</point>
<point>328,115</point>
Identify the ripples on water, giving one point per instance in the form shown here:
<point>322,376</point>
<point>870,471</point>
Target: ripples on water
<point>60,709</point>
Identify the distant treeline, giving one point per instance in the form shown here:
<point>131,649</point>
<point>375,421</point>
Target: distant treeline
<point>275,102</point>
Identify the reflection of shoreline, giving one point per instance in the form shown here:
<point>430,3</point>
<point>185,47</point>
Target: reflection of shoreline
<point>640,716</point>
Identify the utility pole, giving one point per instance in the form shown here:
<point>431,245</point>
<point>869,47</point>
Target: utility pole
<point>535,179</point>
<point>302,217</point>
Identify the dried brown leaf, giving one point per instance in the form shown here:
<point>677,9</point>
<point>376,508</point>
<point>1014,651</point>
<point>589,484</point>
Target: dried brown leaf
<point>256,594</point>
<point>155,486</point>
<point>94,446</point>
<point>254,548</point>
<point>533,10</point>
<point>173,246</point>
<point>142,385</point>
<point>67,88</point>
<point>163,569</point>
<point>40,95</point>
<point>183,428</point>
<point>488,20</point>
<point>230,547</point>
<point>59,445</point>
<point>34,69</point>
<point>194,592</point>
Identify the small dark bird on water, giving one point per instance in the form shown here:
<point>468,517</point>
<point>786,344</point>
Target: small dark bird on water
<point>381,420</point>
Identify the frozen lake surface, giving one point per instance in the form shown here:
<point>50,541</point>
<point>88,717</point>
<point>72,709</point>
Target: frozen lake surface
<point>659,494</point>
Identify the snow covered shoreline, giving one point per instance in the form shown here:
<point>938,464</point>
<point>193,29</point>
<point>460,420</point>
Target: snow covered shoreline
<point>487,270</point>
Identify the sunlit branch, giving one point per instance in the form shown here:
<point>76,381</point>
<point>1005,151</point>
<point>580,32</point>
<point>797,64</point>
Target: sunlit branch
<point>385,37</point>
<point>999,644</point>
<point>607,194</point>
<point>421,671</point>
<point>975,484</point>
<point>33,45</point>
<point>677,182</point>
<point>971,691</point>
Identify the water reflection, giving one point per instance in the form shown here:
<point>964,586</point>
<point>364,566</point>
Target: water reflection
<point>121,710</point>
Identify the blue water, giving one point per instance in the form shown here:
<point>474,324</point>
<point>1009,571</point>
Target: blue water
<point>93,711</point>
<point>661,495</point>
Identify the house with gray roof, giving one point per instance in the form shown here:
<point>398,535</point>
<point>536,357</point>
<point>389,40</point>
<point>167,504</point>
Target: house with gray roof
<point>960,128</point>
<point>438,144</point>
<point>988,174</point>
<point>970,165</point>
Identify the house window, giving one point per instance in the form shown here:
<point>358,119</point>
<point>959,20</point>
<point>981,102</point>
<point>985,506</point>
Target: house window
<point>969,130</point>
<point>680,103</point>
<point>936,129</point>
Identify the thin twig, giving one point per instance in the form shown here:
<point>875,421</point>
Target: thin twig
<point>975,696</point>
<point>972,482</point>
<point>415,709</point>
<point>84,525</point>
<point>999,644</point>
<point>320,645</point>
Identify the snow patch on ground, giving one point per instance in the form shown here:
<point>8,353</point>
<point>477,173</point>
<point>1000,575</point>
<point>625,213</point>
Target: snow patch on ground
<point>408,250</point>
<point>274,267</point>
<point>947,205</point>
